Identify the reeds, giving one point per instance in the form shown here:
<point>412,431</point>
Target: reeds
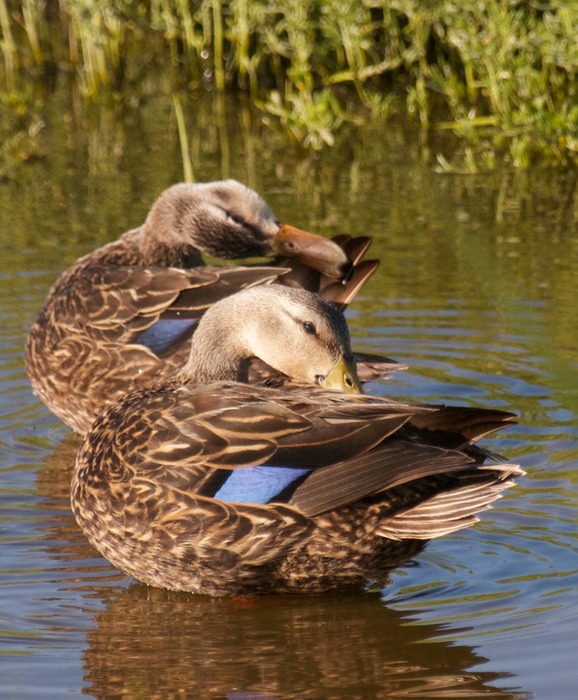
<point>8,47</point>
<point>501,75</point>
<point>188,172</point>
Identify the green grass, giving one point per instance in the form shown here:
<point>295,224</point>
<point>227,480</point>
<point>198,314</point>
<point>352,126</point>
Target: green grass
<point>500,75</point>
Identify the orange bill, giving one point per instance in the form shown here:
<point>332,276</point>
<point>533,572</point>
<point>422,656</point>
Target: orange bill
<point>316,252</point>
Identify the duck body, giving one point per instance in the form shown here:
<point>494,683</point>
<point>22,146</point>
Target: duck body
<point>205,483</point>
<point>123,315</point>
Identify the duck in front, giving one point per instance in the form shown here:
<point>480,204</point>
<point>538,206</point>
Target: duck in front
<point>205,483</point>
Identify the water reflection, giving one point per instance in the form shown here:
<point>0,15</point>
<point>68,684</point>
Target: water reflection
<point>64,541</point>
<point>151,643</point>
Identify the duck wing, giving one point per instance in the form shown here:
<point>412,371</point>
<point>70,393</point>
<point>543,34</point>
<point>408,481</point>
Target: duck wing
<point>455,427</point>
<point>117,303</point>
<point>106,330</point>
<point>429,443</point>
<point>229,426</point>
<point>315,451</point>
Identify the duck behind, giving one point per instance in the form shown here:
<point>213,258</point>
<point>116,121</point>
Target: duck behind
<point>123,315</point>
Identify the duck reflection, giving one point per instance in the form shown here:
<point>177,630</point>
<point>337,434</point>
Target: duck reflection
<point>160,644</point>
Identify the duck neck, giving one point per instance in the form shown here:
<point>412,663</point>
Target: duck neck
<point>216,354</point>
<point>164,251</point>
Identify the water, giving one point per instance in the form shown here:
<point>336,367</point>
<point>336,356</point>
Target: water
<point>476,293</point>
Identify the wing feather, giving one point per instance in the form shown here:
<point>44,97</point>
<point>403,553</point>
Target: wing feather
<point>391,464</point>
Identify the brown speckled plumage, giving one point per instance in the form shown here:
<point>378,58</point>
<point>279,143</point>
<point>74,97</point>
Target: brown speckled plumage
<point>84,350</point>
<point>384,477</point>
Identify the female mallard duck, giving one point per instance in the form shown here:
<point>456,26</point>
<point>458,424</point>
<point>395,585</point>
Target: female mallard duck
<point>204,483</point>
<point>123,315</point>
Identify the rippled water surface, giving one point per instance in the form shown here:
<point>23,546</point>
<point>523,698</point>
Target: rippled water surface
<point>476,293</point>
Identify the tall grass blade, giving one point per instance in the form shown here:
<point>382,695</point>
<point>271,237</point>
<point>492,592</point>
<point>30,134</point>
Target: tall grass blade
<point>188,172</point>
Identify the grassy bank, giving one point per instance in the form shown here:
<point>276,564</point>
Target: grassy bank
<point>500,75</point>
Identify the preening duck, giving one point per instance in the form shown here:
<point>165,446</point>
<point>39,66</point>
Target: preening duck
<point>123,315</point>
<point>208,484</point>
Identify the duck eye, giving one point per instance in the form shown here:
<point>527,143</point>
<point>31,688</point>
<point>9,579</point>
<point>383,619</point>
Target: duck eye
<point>309,327</point>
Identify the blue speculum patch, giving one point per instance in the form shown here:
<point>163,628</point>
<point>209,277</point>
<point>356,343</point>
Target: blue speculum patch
<point>258,484</point>
<point>163,334</point>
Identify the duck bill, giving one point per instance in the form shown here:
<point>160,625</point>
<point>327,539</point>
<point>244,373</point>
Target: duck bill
<point>316,252</point>
<point>343,377</point>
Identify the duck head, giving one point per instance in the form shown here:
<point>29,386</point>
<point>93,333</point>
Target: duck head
<point>228,220</point>
<point>291,330</point>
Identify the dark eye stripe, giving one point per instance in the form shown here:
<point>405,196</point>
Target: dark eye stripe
<point>236,218</point>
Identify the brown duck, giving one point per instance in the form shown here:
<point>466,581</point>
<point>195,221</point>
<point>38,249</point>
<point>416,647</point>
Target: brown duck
<point>123,315</point>
<point>205,483</point>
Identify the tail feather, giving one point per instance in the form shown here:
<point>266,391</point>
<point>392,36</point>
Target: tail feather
<point>451,510</point>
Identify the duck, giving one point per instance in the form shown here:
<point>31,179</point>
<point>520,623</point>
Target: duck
<point>214,485</point>
<point>123,315</point>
